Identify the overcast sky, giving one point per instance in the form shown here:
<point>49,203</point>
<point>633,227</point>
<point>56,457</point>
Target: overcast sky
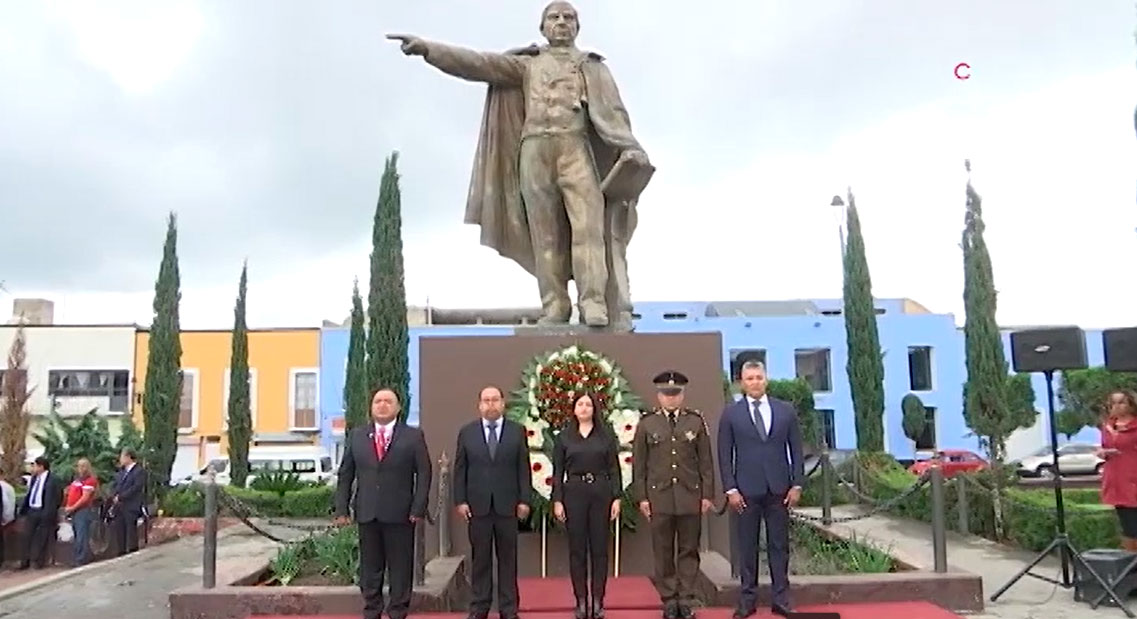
<point>264,125</point>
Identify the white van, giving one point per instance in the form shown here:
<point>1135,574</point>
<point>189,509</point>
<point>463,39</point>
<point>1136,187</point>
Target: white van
<point>313,464</point>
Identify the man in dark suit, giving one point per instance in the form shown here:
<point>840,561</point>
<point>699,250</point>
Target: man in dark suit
<point>492,490</point>
<point>389,466</point>
<point>128,499</point>
<point>40,511</point>
<point>760,460</point>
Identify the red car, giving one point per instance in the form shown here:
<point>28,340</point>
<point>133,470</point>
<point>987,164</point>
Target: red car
<point>952,462</point>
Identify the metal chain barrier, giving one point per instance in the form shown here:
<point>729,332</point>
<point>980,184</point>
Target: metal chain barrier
<point>873,509</point>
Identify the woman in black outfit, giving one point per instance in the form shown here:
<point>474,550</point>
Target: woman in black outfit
<point>586,497</point>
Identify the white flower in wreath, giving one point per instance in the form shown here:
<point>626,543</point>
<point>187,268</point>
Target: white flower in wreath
<point>570,351</point>
<point>535,432</point>
<point>534,412</point>
<point>605,365</point>
<point>626,468</point>
<point>624,424</point>
<point>541,473</point>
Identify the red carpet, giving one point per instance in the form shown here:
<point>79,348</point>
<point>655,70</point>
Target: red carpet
<point>554,594</point>
<point>888,610</point>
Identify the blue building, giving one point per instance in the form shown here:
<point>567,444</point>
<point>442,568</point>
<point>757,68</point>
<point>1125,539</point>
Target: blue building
<point>923,354</point>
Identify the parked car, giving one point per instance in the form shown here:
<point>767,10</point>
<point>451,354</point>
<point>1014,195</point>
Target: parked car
<point>951,462</point>
<point>1073,459</point>
<point>310,463</point>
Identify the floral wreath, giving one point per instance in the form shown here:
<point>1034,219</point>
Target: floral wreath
<point>543,406</point>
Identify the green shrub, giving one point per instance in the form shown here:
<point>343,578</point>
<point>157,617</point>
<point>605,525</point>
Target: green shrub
<point>313,502</point>
<point>309,502</point>
<point>183,502</point>
<point>333,553</point>
<point>279,482</point>
<point>1029,515</point>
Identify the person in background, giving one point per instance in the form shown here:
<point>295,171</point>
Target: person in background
<point>127,500</point>
<point>1119,475</point>
<point>7,511</point>
<point>40,511</point>
<point>586,497</point>
<point>79,508</point>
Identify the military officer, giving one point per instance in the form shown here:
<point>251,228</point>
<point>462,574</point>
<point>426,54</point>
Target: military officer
<point>673,482</point>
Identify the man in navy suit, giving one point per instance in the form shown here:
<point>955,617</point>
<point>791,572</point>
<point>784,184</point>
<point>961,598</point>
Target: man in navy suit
<point>760,460</point>
<point>127,502</point>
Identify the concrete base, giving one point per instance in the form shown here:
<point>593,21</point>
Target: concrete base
<point>446,589</point>
<point>955,591</point>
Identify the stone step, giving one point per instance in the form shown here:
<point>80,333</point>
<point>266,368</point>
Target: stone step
<point>887,610</point>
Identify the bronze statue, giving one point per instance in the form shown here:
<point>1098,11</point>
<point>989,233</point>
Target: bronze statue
<point>557,172</point>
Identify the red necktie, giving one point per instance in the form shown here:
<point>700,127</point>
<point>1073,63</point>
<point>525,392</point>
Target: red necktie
<point>381,443</point>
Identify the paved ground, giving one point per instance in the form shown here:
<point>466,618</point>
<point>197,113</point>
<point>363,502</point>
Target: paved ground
<point>1030,598</point>
<point>137,585</point>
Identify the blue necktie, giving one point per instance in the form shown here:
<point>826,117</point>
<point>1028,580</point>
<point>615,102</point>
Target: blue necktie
<point>32,492</point>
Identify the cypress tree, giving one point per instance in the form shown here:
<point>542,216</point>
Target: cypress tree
<point>387,337</point>
<point>864,366</point>
<point>985,393</point>
<point>161,401</point>
<point>240,406</point>
<point>355,389</point>
<point>14,416</point>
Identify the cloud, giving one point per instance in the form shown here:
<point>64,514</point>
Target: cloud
<point>266,131</point>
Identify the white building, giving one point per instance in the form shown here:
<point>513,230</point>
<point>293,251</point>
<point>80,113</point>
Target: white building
<point>72,368</point>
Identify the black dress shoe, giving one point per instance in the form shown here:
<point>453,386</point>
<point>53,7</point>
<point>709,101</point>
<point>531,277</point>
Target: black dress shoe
<point>670,610</point>
<point>742,612</point>
<point>784,610</point>
<point>685,612</point>
<point>597,609</point>
<point>477,615</point>
<point>507,616</point>
<point>581,610</point>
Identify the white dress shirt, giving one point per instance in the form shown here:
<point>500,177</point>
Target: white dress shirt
<point>385,430</point>
<point>35,501</point>
<point>486,429</point>
<point>763,413</point>
<point>8,499</point>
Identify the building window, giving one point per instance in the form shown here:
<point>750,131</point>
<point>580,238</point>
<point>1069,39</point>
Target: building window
<point>111,384</point>
<point>828,427</point>
<point>812,364</point>
<point>920,368</point>
<point>252,399</point>
<point>187,411</point>
<point>927,440</point>
<point>304,399</point>
<point>741,356</point>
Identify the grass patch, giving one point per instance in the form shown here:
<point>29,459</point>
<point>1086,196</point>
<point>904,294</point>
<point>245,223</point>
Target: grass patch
<point>812,552</point>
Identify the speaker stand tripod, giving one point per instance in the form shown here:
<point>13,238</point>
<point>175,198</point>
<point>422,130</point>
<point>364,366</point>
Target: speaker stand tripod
<point>1061,541</point>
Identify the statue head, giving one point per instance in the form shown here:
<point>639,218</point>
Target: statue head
<point>559,23</point>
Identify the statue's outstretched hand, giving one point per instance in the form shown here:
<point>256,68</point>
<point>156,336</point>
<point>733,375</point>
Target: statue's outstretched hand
<point>410,44</point>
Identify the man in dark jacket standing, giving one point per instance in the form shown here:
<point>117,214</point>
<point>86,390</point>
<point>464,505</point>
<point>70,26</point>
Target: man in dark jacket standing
<point>127,502</point>
<point>40,511</point>
<point>492,490</point>
<point>760,460</point>
<point>389,466</point>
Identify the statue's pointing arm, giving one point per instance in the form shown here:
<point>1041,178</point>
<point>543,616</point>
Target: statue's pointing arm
<point>468,64</point>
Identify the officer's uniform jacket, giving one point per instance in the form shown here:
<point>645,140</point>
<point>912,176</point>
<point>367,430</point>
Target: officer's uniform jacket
<point>671,466</point>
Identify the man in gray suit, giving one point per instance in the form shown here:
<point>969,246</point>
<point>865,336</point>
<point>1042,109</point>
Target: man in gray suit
<point>760,460</point>
<point>388,463</point>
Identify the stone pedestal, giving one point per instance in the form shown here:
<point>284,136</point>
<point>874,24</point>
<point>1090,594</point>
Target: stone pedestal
<point>453,370</point>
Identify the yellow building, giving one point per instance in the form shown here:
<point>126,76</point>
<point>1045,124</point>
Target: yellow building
<point>283,391</point>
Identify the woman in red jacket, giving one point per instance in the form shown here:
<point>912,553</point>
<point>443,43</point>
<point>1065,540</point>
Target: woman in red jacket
<point>1119,475</point>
